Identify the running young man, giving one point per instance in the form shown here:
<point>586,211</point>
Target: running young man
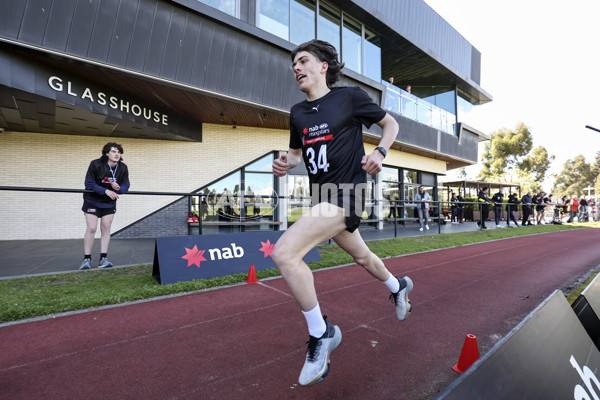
<point>107,177</point>
<point>326,130</point>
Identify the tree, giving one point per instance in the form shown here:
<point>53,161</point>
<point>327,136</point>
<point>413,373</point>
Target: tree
<point>575,175</point>
<point>509,153</point>
<point>505,151</point>
<point>537,163</point>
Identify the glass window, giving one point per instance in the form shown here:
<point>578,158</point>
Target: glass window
<point>274,17</point>
<point>263,165</point>
<point>389,174</point>
<point>299,193</point>
<point>390,191</point>
<point>329,24</point>
<point>228,6</point>
<point>372,55</point>
<point>465,110</point>
<point>259,200</point>
<point>247,195</point>
<point>223,201</point>
<point>352,44</point>
<point>410,176</point>
<point>302,27</point>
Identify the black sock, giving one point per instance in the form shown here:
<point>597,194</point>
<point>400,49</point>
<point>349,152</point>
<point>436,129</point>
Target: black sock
<point>103,255</point>
<point>88,256</point>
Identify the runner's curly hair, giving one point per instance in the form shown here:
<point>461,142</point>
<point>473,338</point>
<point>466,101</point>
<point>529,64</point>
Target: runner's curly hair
<point>107,148</point>
<point>326,52</point>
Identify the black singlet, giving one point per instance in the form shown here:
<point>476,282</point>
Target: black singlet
<point>329,131</point>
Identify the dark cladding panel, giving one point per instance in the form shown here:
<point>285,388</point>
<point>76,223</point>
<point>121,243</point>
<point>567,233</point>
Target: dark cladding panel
<point>174,40</point>
<point>11,17</point>
<point>475,65</point>
<point>27,109</point>
<point>123,32</point>
<point>158,38</point>
<point>140,37</point>
<point>239,73</point>
<point>250,70</point>
<point>35,20</point>
<point>6,98</point>
<point>202,50</point>
<point>215,58</point>
<point>271,66</point>
<point>187,54</point>
<point>281,81</point>
<point>59,23</point>
<point>81,28</point>
<point>227,64</point>
<point>21,75</point>
<point>260,73</point>
<point>102,32</point>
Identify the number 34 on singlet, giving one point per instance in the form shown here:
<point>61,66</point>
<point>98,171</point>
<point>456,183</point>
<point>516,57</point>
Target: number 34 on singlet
<point>321,159</point>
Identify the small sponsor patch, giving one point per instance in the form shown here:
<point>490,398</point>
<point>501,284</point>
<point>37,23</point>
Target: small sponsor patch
<point>91,210</point>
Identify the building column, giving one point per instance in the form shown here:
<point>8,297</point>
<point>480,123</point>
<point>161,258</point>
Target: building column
<point>378,197</point>
<point>282,202</point>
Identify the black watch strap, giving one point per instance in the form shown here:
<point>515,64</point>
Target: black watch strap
<point>382,151</point>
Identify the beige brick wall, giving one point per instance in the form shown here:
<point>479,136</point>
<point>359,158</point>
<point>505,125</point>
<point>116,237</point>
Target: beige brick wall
<point>61,161</point>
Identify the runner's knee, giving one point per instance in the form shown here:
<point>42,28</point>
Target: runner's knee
<point>364,258</point>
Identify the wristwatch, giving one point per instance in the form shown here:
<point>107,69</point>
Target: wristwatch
<point>382,151</point>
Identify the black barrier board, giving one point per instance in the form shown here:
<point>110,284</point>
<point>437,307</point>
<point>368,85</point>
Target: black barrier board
<point>547,356</point>
<point>185,258</point>
<point>587,308</point>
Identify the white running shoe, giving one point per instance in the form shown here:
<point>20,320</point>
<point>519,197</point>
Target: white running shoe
<point>400,298</point>
<point>427,227</point>
<point>316,366</point>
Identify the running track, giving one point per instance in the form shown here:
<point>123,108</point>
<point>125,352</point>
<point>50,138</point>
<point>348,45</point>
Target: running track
<point>247,341</point>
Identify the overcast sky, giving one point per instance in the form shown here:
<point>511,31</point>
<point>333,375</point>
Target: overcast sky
<point>541,64</point>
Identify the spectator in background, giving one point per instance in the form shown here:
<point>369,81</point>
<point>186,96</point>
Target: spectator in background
<point>484,203</point>
<point>536,201</point>
<point>107,177</point>
<point>408,88</point>
<point>540,207</point>
<point>582,215</point>
<point>423,198</point>
<point>565,208</point>
<point>454,208</point>
<point>511,207</point>
<point>460,207</point>
<point>498,199</point>
<point>526,202</point>
<point>573,209</point>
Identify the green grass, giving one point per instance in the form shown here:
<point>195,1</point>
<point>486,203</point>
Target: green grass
<point>33,296</point>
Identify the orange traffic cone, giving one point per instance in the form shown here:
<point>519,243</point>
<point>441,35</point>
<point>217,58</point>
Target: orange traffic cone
<point>468,355</point>
<point>251,275</point>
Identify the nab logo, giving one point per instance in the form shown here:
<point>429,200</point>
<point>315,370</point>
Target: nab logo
<point>588,378</point>
<point>305,131</point>
<point>195,256</point>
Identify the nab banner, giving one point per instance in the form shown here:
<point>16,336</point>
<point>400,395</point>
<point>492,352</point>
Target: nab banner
<point>185,258</point>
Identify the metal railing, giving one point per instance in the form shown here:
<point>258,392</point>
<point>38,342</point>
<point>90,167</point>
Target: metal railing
<point>438,209</point>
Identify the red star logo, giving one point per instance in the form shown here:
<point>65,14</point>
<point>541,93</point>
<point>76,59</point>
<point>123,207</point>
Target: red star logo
<point>267,248</point>
<point>194,256</point>
<point>305,131</point>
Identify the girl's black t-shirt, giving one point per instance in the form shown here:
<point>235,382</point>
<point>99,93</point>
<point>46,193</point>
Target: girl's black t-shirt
<point>329,131</point>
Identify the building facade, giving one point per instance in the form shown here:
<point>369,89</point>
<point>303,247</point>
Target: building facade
<point>198,94</point>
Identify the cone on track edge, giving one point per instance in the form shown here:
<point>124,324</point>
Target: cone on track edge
<point>468,355</point>
<point>251,275</point>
